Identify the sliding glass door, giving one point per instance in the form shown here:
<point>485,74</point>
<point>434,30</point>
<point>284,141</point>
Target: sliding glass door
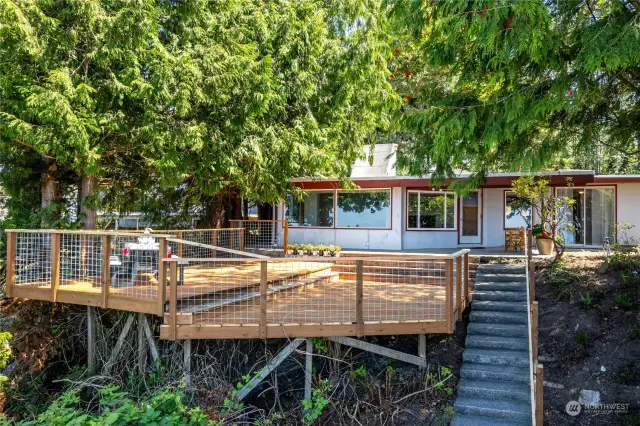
<point>589,218</point>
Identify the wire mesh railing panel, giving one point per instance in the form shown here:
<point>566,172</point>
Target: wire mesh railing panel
<point>220,292</point>
<point>225,238</point>
<point>261,234</point>
<point>308,292</point>
<point>404,290</point>
<point>33,259</point>
<point>134,262</point>
<point>81,261</point>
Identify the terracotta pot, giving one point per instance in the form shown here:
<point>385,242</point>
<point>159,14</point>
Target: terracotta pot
<point>545,245</point>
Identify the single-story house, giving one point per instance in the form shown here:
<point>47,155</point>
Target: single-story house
<point>393,212</point>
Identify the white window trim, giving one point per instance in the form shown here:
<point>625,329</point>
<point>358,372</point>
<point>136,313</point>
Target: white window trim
<point>455,211</point>
<point>336,213</point>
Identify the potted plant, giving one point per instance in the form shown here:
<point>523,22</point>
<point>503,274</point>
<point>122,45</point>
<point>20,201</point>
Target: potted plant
<point>547,208</point>
<point>323,250</point>
<point>293,249</point>
<point>313,251</point>
<point>544,242</point>
<point>334,251</point>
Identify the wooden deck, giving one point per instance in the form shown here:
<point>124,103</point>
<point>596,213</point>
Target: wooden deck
<point>246,296</point>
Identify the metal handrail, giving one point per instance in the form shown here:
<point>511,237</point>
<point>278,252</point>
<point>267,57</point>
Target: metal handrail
<point>532,388</point>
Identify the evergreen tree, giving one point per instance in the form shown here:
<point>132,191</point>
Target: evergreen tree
<point>515,85</point>
<point>215,99</point>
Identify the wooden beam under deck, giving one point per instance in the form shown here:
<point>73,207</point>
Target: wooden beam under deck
<point>280,331</point>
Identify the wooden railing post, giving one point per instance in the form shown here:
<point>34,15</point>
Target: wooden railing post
<point>241,239</point>
<point>466,280</point>
<point>11,263</point>
<point>459,286</point>
<point>359,297</point>
<point>173,299</point>
<point>539,393</point>
<point>263,299</point>
<point>162,276</point>
<point>286,237</point>
<point>106,270</point>
<point>55,266</point>
<point>534,330</point>
<point>179,248</point>
<point>449,293</point>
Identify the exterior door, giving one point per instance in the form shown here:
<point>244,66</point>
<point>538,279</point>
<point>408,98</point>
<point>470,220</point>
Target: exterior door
<point>470,217</point>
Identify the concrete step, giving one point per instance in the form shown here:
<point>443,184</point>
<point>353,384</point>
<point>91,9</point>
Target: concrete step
<point>489,305</point>
<point>482,277</point>
<point>502,409</point>
<point>518,391</point>
<point>505,330</point>
<point>496,357</point>
<point>471,420</point>
<point>497,268</point>
<point>498,317</point>
<point>505,373</point>
<point>505,296</point>
<point>497,342</point>
<point>501,286</point>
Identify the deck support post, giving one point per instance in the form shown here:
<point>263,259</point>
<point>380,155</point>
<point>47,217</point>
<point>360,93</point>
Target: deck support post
<point>449,294</point>
<point>116,349</point>
<point>152,343</point>
<point>459,287</point>
<point>55,266</point>
<point>187,363</point>
<point>263,299</point>
<point>11,263</point>
<point>106,270</point>
<point>142,353</point>
<point>422,346</point>
<point>272,365</point>
<point>539,393</point>
<point>285,238</point>
<point>534,330</point>
<point>308,370</point>
<point>91,340</point>
<point>380,350</point>
<point>173,299</point>
<point>162,276</point>
<point>359,297</point>
<point>466,280</point>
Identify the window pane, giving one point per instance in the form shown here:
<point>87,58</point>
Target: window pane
<point>451,206</point>
<point>432,210</point>
<point>412,218</point>
<point>517,211</point>
<point>316,209</point>
<point>364,209</point>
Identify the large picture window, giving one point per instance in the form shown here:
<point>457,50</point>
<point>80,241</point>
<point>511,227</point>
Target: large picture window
<point>517,211</point>
<point>364,209</point>
<point>316,209</point>
<point>431,210</point>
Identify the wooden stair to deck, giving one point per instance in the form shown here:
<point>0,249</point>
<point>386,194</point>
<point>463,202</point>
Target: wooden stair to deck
<point>188,312</point>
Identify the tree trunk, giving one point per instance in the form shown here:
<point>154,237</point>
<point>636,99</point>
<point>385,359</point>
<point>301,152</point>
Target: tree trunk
<point>88,185</point>
<point>50,193</point>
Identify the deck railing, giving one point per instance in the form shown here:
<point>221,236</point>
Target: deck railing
<point>108,269</point>
<point>536,370</point>
<point>264,234</point>
<point>238,294</point>
<point>316,296</point>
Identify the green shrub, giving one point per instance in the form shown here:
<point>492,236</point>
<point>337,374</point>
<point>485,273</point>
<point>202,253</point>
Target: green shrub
<point>586,301</point>
<point>582,338</point>
<point>623,301</point>
<point>164,408</point>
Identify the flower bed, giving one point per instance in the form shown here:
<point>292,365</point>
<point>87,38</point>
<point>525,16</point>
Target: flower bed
<point>321,250</point>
